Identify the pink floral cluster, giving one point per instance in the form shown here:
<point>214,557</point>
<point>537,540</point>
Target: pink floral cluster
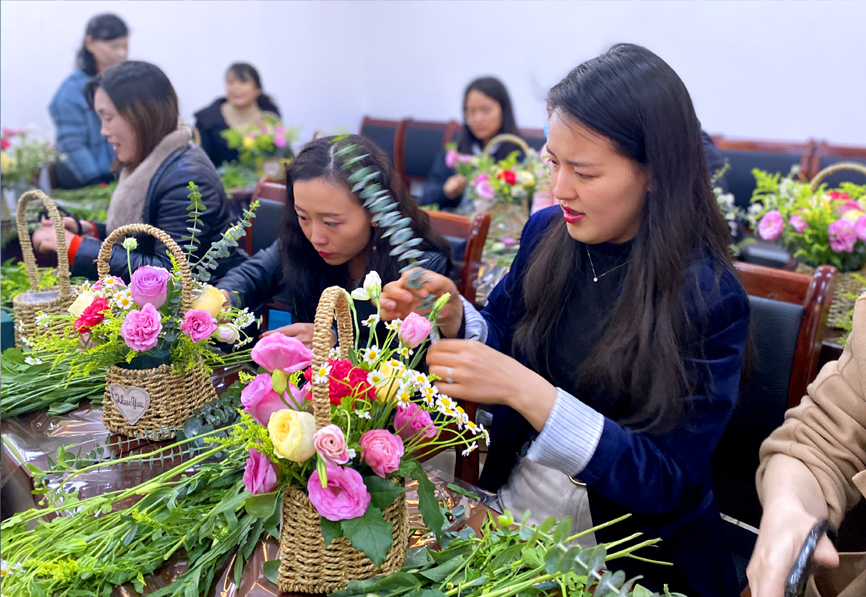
<point>843,234</point>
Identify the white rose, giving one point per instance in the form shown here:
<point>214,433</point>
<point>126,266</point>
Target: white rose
<point>227,332</point>
<point>81,303</point>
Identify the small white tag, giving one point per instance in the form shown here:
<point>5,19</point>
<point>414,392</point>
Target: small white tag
<point>132,403</point>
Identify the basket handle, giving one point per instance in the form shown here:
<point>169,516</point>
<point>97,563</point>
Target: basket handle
<point>836,168</point>
<point>334,304</point>
<point>505,138</point>
<point>102,267</point>
<point>27,245</point>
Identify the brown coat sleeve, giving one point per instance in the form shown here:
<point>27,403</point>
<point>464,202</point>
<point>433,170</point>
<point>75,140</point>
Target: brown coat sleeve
<point>827,431</point>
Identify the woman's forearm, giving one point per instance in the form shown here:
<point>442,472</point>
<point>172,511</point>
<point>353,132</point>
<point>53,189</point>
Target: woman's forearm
<point>789,482</point>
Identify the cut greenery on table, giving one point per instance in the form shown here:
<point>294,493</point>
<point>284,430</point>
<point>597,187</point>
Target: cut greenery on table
<point>14,281</point>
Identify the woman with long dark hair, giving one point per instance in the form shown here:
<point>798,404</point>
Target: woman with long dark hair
<point>328,237</point>
<point>88,155</point>
<point>244,103</point>
<point>614,346</point>
<point>487,112</point>
<point>139,111</point>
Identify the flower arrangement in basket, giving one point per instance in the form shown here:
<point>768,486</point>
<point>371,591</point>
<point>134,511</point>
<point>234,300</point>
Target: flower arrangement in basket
<point>154,336</point>
<point>264,145</point>
<point>818,226</point>
<point>341,450</point>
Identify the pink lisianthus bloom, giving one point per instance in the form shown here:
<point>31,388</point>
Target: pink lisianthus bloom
<point>382,451</point>
<point>771,225</point>
<point>330,443</point>
<point>345,496</point>
<point>149,285</point>
<point>451,158</point>
<point>414,329</point>
<point>798,223</point>
<point>280,130</point>
<point>842,236</point>
<point>282,352</point>
<point>860,228</point>
<point>485,190</point>
<point>259,474</point>
<point>482,177</point>
<point>279,142</point>
<point>261,401</point>
<point>198,324</point>
<point>412,421</point>
<point>141,329</point>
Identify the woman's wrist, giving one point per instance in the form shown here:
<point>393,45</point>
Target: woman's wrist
<point>533,397</point>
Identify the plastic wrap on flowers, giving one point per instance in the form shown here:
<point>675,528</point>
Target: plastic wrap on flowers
<point>152,402</point>
<point>306,564</point>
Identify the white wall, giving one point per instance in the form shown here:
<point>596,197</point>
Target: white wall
<point>783,70</point>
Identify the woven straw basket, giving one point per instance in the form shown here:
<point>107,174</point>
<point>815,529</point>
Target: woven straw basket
<point>507,218</point>
<point>306,565</point>
<point>846,283</point>
<point>25,312</point>
<point>152,403</point>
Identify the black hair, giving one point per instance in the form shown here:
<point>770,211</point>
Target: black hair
<point>495,90</point>
<point>144,97</point>
<point>247,72</point>
<point>634,99</point>
<point>104,27</point>
<point>307,274</point>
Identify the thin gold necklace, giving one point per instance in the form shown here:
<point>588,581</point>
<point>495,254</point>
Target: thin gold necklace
<point>595,276</point>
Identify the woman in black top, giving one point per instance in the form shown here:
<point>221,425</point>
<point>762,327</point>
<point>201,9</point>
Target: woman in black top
<point>487,113</point>
<point>245,102</point>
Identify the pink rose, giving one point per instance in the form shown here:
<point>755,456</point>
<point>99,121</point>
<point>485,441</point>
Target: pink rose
<point>798,222</point>
<point>481,178</point>
<point>414,329</point>
<point>860,228</point>
<point>842,236</point>
<point>463,158</point>
<point>279,130</point>
<point>412,420</point>
<point>259,474</point>
<point>331,444</point>
<point>848,206</point>
<point>149,286</point>
<point>382,451</point>
<point>261,401</point>
<point>141,329</point>
<point>282,352</point>
<point>279,142</point>
<point>485,190</point>
<point>771,225</point>
<point>451,158</point>
<point>198,324</point>
<point>344,498</point>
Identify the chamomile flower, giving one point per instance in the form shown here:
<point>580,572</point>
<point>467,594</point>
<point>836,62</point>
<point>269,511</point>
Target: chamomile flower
<point>375,378</point>
<point>405,352</point>
<point>42,319</point>
<point>334,353</point>
<point>472,447</point>
<point>461,415</point>
<point>33,361</point>
<point>404,396</point>
<point>429,401</point>
<point>322,374</point>
<point>362,414</point>
<point>419,379</point>
<point>124,300</point>
<point>371,321</point>
<point>471,426</point>
<point>429,393</point>
<point>396,367</point>
<point>486,435</point>
<point>244,342</point>
<point>372,354</point>
<point>244,319</point>
<point>444,402</point>
<point>447,411</point>
<point>394,325</point>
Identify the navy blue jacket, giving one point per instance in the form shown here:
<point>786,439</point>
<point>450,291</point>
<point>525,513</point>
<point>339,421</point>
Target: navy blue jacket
<point>665,479</point>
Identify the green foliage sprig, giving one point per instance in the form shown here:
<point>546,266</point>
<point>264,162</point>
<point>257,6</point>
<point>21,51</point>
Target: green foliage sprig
<point>221,248</point>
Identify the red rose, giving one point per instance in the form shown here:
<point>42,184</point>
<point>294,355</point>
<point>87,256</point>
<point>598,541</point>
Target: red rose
<point>4,144</point>
<point>508,176</point>
<point>92,315</point>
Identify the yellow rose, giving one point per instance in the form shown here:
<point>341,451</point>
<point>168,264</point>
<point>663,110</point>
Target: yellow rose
<point>6,162</point>
<point>210,300</point>
<point>292,434</point>
<point>853,214</point>
<point>525,178</point>
<point>249,142</point>
<point>81,303</point>
<point>392,371</point>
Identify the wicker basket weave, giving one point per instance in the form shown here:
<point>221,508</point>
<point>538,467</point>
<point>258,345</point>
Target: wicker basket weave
<point>306,565</point>
<point>152,403</point>
<point>846,282</point>
<point>507,218</point>
<point>25,312</point>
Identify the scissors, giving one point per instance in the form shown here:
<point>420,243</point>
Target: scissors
<point>798,577</point>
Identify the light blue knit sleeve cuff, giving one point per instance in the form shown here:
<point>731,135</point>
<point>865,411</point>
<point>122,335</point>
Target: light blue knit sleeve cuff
<point>570,436</point>
<point>475,326</point>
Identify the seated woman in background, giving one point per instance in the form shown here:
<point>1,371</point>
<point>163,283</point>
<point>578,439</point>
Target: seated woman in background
<point>328,238</point>
<point>615,343</point>
<point>88,155</point>
<point>139,112</point>
<point>245,102</point>
<point>813,467</point>
<point>487,112</point>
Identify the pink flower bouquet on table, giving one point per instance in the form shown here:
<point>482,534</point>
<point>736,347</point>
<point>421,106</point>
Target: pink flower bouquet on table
<point>384,416</point>
<point>818,227</point>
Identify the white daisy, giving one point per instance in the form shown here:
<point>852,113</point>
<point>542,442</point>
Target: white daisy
<point>445,402</point>
<point>394,326</point>
<point>448,411</point>
<point>33,361</point>
<point>429,393</point>
<point>471,426</point>
<point>429,401</point>
<point>25,342</point>
<point>351,452</point>
<point>472,447</point>
<point>244,342</point>
<point>42,319</point>
<point>404,396</point>
<point>486,435</point>
<point>419,379</point>
<point>372,354</point>
<point>371,321</point>
<point>124,300</point>
<point>334,353</point>
<point>375,378</point>
<point>461,414</point>
<point>244,319</point>
<point>322,374</point>
<point>406,352</point>
<point>362,414</point>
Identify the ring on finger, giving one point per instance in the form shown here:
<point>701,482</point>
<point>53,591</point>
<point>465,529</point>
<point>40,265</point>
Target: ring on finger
<point>449,372</point>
